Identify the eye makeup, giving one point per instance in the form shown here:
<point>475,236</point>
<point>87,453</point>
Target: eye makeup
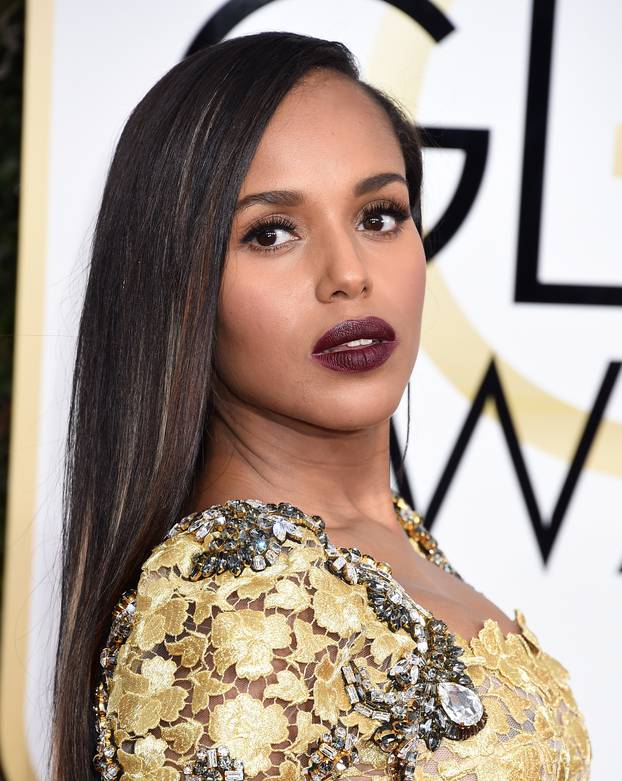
<point>397,210</point>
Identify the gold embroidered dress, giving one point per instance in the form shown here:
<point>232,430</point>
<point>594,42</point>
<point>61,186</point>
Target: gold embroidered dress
<point>254,648</point>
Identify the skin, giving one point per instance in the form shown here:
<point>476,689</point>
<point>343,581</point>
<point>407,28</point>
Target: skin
<point>287,428</point>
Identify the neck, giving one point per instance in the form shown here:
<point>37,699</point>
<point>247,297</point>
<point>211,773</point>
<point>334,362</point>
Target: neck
<point>343,476</point>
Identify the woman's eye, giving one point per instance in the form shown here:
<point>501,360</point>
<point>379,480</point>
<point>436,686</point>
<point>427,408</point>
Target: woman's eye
<point>385,217</point>
<point>267,234</point>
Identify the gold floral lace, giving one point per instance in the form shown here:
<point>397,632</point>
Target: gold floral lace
<point>253,663</point>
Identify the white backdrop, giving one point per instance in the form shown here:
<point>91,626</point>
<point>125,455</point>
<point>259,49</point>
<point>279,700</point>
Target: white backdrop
<point>92,62</point>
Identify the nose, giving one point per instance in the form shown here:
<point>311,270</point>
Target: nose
<point>343,270</point>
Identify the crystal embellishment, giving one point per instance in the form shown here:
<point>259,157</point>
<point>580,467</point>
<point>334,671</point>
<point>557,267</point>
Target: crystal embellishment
<point>105,760</point>
<point>214,763</point>
<point>460,703</point>
<point>335,753</point>
<point>428,694</point>
<point>244,533</point>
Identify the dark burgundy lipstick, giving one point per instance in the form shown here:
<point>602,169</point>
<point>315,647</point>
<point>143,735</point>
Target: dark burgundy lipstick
<point>333,350</point>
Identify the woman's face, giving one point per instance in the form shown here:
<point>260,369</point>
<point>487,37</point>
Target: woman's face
<point>327,259</point>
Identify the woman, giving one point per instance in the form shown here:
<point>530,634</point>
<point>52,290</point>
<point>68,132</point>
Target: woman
<point>251,320</point>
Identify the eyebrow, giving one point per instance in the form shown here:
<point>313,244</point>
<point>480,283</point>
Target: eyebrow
<point>295,197</point>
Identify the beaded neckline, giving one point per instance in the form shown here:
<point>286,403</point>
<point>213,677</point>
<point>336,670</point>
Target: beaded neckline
<point>410,521</point>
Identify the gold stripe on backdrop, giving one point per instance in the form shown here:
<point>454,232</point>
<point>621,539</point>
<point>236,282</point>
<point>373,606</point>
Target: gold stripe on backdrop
<point>27,369</point>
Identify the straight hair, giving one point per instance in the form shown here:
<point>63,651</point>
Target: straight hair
<point>142,394</point>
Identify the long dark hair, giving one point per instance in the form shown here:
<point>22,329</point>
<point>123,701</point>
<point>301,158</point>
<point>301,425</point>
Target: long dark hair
<point>142,385</point>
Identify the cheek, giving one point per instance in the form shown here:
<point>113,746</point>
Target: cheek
<point>408,286</point>
<point>255,318</point>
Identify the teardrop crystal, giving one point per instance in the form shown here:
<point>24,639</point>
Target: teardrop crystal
<point>460,703</point>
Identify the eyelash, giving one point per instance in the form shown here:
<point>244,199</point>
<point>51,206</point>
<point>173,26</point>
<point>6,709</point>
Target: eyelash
<point>396,209</point>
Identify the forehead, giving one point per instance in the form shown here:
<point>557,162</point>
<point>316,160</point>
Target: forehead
<point>326,131</point>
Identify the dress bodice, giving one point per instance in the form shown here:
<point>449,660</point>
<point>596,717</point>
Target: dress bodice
<point>253,648</point>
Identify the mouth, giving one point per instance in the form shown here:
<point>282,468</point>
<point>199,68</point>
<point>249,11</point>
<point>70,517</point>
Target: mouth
<point>357,343</point>
<point>354,335</point>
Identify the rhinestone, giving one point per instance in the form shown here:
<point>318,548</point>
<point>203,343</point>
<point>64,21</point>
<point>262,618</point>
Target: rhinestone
<point>280,530</point>
<point>396,597</point>
<point>265,521</point>
<point>295,532</point>
<point>381,715</point>
<point>352,694</point>
<point>409,747</point>
<point>387,740</point>
<point>328,751</point>
<point>432,740</point>
<point>195,524</point>
<point>425,727</point>
<point>271,556</point>
<point>460,703</point>
<point>338,564</point>
<point>348,673</point>
<point>260,544</point>
<point>202,532</point>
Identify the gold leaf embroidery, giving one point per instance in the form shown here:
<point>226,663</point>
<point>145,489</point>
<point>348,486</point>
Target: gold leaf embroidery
<point>184,736</point>
<point>159,673</point>
<point>288,771</point>
<point>150,631</point>
<point>307,642</point>
<point>249,730</point>
<point>307,731</point>
<point>172,701</point>
<point>393,644</point>
<point>289,595</point>
<point>247,638</point>
<point>329,697</point>
<point>174,552</point>
<point>289,687</point>
<point>206,686</point>
<point>338,606</point>
<point>191,648</point>
<point>139,714</point>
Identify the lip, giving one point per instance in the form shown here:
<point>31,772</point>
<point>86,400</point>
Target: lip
<point>356,359</point>
<point>349,330</point>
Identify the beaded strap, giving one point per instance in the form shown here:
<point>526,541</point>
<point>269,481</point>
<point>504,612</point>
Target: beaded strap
<point>412,523</point>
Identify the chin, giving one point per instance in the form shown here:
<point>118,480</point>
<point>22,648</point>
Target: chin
<point>351,415</point>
